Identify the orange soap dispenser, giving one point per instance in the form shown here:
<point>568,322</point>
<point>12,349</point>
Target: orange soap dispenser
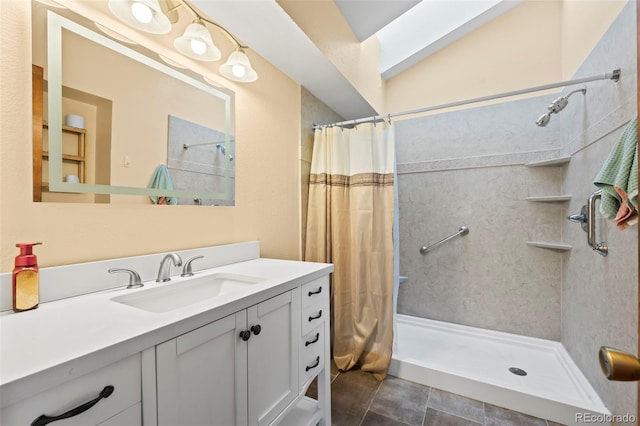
<point>26,285</point>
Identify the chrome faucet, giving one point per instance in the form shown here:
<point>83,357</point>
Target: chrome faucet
<point>165,267</point>
<point>187,271</point>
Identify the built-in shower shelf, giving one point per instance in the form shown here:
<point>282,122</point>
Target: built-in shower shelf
<point>550,163</point>
<point>550,198</point>
<point>550,245</point>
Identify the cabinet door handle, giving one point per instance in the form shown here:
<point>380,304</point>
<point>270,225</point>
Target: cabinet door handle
<point>311,342</point>
<point>245,335</point>
<point>256,329</point>
<point>45,420</point>
<point>316,317</point>
<point>314,365</point>
<point>318,291</point>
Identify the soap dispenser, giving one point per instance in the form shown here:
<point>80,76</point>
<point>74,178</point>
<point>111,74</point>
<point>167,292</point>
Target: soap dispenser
<point>26,285</point>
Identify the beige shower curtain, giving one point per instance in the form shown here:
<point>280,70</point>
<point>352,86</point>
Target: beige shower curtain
<point>350,224</point>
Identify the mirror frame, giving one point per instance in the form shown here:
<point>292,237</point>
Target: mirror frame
<point>55,26</point>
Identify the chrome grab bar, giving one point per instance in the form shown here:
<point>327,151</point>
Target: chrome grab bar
<point>600,248</point>
<point>462,231</point>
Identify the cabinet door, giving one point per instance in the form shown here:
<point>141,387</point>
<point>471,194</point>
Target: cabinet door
<point>124,378</point>
<point>202,376</point>
<point>273,356</point>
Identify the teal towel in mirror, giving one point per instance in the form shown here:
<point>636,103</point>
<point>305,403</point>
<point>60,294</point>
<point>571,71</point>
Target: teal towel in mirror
<point>162,180</point>
<point>621,171</point>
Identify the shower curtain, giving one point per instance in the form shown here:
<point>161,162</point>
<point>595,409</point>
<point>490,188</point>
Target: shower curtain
<point>350,224</point>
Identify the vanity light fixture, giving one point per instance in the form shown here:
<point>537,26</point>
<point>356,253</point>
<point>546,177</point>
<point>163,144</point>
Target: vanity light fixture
<point>238,67</point>
<point>144,15</point>
<point>156,16</point>
<point>196,43</point>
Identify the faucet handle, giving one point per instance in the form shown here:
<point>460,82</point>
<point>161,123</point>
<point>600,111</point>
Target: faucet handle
<point>186,271</point>
<point>134,277</point>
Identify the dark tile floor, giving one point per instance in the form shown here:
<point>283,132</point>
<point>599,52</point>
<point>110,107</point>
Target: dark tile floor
<point>358,399</point>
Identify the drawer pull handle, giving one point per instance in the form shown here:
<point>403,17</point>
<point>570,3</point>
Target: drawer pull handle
<point>318,291</point>
<point>256,329</point>
<point>314,365</point>
<point>311,342</point>
<point>45,420</point>
<point>316,317</point>
<point>245,335</point>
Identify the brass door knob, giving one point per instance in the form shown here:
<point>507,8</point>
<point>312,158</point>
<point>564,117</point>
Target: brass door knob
<point>619,365</point>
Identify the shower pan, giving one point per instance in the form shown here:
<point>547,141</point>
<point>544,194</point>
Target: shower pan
<point>525,374</point>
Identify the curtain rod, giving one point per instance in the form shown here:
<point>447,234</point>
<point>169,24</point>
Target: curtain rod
<point>614,75</point>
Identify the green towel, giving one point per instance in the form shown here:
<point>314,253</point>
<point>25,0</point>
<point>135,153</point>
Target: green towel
<point>621,170</point>
<point>162,180</point>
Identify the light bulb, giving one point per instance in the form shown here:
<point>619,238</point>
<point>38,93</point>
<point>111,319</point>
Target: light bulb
<point>238,70</point>
<point>198,46</point>
<point>141,12</point>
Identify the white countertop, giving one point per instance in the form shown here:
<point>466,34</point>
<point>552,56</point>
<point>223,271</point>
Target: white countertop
<point>64,339</point>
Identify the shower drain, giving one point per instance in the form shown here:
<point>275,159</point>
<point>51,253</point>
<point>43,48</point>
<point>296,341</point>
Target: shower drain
<point>518,371</point>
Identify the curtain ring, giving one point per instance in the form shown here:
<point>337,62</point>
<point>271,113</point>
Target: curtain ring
<point>389,118</point>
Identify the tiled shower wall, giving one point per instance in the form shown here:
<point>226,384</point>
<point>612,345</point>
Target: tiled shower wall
<point>600,294</point>
<point>468,168</point>
<point>313,111</point>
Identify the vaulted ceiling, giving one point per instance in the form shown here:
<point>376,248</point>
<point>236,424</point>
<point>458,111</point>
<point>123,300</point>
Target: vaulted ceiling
<point>408,32</point>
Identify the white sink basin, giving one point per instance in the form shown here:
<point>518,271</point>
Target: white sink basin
<point>186,292</point>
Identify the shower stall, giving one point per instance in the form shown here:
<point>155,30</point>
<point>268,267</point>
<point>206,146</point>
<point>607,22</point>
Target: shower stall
<point>514,312</point>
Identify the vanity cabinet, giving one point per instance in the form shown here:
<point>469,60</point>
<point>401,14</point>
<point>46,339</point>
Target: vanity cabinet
<point>121,406</point>
<point>239,370</point>
<point>246,358</point>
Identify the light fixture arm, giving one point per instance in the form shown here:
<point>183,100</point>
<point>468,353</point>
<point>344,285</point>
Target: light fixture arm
<point>202,18</point>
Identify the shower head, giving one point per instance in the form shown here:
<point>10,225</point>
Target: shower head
<point>557,106</point>
<point>544,119</point>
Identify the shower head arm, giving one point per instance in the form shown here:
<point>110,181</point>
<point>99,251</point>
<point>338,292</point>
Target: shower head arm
<point>583,90</point>
<point>559,104</point>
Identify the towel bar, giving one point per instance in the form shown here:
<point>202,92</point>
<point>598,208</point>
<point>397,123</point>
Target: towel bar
<point>462,231</point>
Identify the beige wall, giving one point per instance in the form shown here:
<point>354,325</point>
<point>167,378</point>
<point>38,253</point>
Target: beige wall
<point>535,43</point>
<point>583,23</point>
<point>359,63</point>
<point>267,184</point>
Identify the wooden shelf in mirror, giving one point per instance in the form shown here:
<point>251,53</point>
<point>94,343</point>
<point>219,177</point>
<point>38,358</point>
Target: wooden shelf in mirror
<point>37,110</point>
<point>39,154</point>
<point>79,159</point>
<point>65,128</point>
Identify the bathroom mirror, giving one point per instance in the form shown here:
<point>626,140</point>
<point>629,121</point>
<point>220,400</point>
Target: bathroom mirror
<point>121,127</point>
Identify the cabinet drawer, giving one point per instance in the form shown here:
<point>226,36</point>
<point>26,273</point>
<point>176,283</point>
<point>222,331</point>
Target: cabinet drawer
<point>132,416</point>
<point>314,315</point>
<point>124,376</point>
<point>315,292</point>
<point>311,354</point>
